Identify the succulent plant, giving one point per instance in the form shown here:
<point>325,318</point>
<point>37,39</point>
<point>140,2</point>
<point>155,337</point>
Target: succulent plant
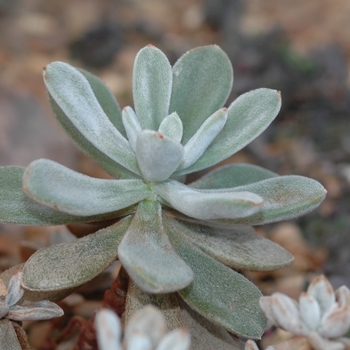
<point>15,308</point>
<point>146,330</point>
<point>322,316</point>
<point>170,237</point>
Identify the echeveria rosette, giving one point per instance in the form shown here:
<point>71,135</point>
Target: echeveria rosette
<point>170,236</point>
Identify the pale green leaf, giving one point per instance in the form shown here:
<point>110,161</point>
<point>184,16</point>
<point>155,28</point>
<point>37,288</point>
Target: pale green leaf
<point>285,197</point>
<point>151,86</point>
<point>8,337</point>
<point>32,311</point>
<point>158,156</point>
<point>136,299</point>
<point>147,324</point>
<point>232,175</point>
<point>238,247</point>
<point>202,81</point>
<point>68,265</point>
<point>208,204</point>
<point>248,116</point>
<point>18,208</point>
<point>106,99</point>
<point>106,163</point>
<point>148,256</point>
<point>171,126</point>
<point>203,137</point>
<point>73,94</point>
<point>132,126</point>
<point>206,335</point>
<point>63,189</point>
<point>217,292</point>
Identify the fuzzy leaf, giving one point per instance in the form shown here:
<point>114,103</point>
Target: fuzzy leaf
<point>208,204</point>
<point>158,156</point>
<point>17,208</point>
<point>132,126</point>
<point>248,116</point>
<point>171,126</point>
<point>232,175</point>
<point>218,293</point>
<point>40,310</point>
<point>239,247</point>
<point>73,94</point>
<point>105,162</point>
<point>285,197</point>
<point>106,100</point>
<point>206,335</point>
<point>8,337</point>
<point>168,303</point>
<point>68,265</point>
<point>15,290</point>
<point>63,189</point>
<point>203,137</point>
<point>202,81</point>
<point>151,86</point>
<point>148,256</point>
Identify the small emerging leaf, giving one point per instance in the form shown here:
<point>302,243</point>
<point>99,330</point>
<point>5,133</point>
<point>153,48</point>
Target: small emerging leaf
<point>203,137</point>
<point>158,156</point>
<point>171,126</point>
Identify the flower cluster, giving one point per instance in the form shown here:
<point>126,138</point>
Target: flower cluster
<point>322,316</point>
<point>12,308</point>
